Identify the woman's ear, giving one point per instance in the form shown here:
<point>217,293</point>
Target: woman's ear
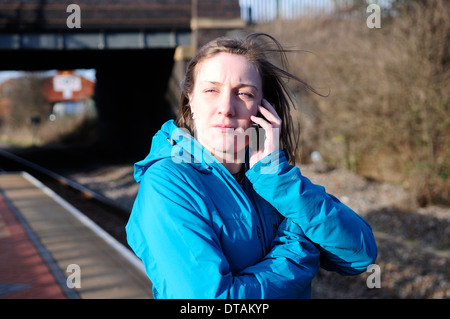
<point>189,98</point>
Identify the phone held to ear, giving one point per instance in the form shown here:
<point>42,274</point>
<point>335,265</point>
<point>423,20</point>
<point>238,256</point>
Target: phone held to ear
<point>260,134</point>
<point>260,116</point>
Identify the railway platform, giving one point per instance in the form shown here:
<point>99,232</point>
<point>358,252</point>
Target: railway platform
<point>49,249</point>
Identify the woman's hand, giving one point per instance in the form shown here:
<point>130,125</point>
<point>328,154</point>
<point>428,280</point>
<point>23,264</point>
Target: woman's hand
<point>271,124</point>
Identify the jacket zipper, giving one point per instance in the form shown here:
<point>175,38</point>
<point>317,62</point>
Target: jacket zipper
<point>260,233</point>
<point>259,226</point>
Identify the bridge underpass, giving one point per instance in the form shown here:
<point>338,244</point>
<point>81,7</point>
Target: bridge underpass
<point>130,44</point>
<point>130,91</point>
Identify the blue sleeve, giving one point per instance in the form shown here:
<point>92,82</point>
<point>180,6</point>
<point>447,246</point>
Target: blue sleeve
<point>288,269</point>
<point>344,238</point>
<point>182,254</point>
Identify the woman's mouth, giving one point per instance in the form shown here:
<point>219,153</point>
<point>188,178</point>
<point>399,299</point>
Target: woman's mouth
<point>224,128</point>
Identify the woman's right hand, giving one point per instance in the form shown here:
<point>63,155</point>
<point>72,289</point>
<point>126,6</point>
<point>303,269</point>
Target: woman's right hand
<point>271,124</point>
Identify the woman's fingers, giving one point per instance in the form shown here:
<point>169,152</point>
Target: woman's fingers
<point>270,116</point>
<point>272,113</point>
<point>260,121</point>
<point>271,124</point>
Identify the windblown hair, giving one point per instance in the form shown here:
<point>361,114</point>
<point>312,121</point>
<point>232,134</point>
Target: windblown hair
<point>259,49</point>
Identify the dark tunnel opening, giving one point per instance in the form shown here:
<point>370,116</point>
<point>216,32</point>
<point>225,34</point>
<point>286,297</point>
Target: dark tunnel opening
<point>130,91</point>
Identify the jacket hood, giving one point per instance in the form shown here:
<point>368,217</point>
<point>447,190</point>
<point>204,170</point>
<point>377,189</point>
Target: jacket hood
<point>175,143</point>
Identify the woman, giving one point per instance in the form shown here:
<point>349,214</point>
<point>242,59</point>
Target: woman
<point>209,222</point>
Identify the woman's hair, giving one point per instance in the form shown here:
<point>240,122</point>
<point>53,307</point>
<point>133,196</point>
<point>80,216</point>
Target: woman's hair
<point>259,49</point>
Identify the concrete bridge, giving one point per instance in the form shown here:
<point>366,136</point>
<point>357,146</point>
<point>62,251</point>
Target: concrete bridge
<point>138,48</point>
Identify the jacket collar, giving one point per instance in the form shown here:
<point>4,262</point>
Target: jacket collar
<point>176,143</point>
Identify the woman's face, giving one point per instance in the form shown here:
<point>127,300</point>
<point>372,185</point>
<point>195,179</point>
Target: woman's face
<point>227,91</point>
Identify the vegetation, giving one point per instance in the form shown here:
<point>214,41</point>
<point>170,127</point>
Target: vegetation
<point>388,113</point>
<point>25,116</point>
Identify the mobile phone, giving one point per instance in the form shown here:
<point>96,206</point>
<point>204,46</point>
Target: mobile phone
<point>258,115</point>
<point>260,133</point>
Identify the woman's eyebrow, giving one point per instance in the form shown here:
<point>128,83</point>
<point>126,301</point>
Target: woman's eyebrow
<point>247,85</point>
<point>240,85</point>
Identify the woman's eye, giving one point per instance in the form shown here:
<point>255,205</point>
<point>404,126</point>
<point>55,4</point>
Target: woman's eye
<point>246,94</point>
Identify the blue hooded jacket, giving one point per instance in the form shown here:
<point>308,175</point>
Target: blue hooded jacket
<point>202,235</point>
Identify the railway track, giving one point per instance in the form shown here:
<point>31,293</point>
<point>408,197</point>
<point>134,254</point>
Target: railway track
<point>101,210</point>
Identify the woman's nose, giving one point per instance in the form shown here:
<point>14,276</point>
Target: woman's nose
<point>226,105</point>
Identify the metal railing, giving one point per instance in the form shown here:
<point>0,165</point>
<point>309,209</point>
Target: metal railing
<point>260,11</point>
